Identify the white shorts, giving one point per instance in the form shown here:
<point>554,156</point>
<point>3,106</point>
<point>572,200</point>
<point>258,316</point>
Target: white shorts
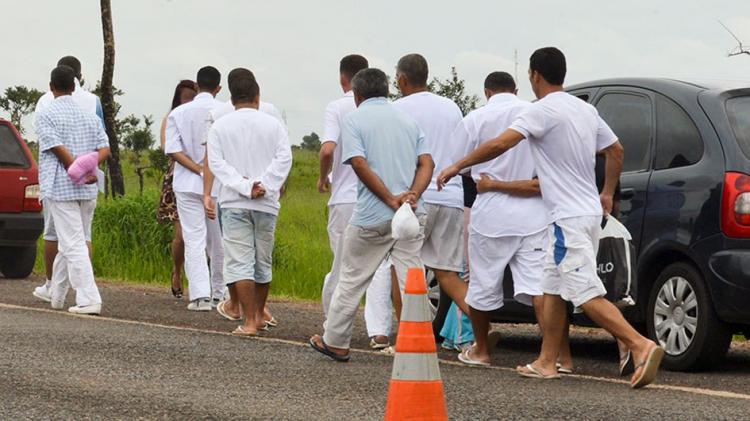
<point>443,247</point>
<point>570,264</point>
<point>491,255</point>
<point>49,234</point>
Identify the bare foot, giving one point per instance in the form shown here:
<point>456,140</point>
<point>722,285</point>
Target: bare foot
<point>318,341</point>
<point>538,370</point>
<point>640,355</point>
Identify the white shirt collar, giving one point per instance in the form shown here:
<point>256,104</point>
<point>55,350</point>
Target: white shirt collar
<point>502,97</point>
<point>204,95</point>
<point>349,93</point>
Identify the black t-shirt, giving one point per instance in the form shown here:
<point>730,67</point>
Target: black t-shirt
<point>470,190</point>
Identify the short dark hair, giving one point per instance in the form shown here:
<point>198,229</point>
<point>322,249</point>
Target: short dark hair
<point>499,82</point>
<point>351,64</point>
<point>242,85</point>
<point>550,63</point>
<point>415,68</point>
<point>62,79</point>
<point>370,83</point>
<point>73,63</point>
<point>208,78</point>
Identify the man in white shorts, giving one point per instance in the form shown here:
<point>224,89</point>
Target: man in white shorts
<point>343,187</point>
<point>187,127</point>
<point>509,219</point>
<point>443,249</point>
<point>565,134</point>
<point>91,104</point>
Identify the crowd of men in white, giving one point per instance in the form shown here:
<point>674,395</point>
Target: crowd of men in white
<point>538,209</point>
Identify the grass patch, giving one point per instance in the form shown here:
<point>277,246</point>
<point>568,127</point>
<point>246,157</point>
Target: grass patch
<point>130,245</point>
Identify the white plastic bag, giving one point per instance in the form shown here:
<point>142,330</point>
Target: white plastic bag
<point>404,225</point>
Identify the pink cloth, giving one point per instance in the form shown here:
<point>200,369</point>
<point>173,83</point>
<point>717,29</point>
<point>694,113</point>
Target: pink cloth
<point>83,165</point>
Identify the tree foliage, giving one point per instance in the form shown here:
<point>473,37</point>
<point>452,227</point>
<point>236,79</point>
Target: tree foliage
<point>453,88</point>
<point>19,101</point>
<point>139,140</point>
<point>311,142</point>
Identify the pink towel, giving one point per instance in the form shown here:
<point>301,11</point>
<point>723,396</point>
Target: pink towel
<point>83,165</point>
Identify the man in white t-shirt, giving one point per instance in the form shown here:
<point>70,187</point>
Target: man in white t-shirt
<point>187,127</point>
<point>89,103</point>
<point>508,219</point>
<point>341,181</point>
<point>251,157</point>
<point>230,308</point>
<point>565,134</point>
<point>443,249</point>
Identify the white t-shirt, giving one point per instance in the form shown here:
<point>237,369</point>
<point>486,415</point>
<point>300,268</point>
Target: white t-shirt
<point>248,146</point>
<point>343,179</point>
<point>438,118</point>
<point>85,99</point>
<point>498,214</point>
<point>565,133</point>
<point>187,130</point>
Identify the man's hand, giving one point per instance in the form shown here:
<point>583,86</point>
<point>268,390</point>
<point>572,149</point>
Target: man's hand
<point>210,206</point>
<point>324,186</point>
<point>485,183</point>
<point>409,197</point>
<point>257,191</point>
<point>607,202</point>
<point>91,179</point>
<point>445,176</point>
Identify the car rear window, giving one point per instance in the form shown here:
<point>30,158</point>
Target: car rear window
<point>738,111</point>
<point>11,152</point>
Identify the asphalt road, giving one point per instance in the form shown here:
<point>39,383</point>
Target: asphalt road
<point>148,358</point>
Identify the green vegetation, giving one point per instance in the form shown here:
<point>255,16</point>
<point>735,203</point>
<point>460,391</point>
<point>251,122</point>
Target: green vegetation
<point>130,245</point>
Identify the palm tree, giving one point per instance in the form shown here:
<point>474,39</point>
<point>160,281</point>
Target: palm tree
<point>108,100</point>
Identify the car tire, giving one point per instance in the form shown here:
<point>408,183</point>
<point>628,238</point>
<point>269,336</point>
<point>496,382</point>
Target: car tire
<point>17,262</point>
<point>681,318</point>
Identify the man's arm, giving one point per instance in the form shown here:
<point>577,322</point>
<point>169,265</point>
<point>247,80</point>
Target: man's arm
<point>326,164</point>
<point>185,161</point>
<point>614,154</point>
<point>275,175</point>
<point>209,204</point>
<point>422,177</point>
<point>373,183</point>
<point>64,156</point>
<point>485,152</point>
<point>173,147</point>
<point>103,154</point>
<point>521,188</point>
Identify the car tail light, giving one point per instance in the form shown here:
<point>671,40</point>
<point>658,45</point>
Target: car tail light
<point>31,198</point>
<point>735,205</point>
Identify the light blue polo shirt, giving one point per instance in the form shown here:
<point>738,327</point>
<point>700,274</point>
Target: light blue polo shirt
<point>391,142</point>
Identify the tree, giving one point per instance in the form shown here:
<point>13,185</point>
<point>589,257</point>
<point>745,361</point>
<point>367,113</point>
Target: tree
<point>139,140</point>
<point>108,100</point>
<point>453,88</point>
<point>19,101</point>
<point>311,142</point>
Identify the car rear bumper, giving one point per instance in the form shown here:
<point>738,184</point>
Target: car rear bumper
<point>731,291</point>
<point>20,229</point>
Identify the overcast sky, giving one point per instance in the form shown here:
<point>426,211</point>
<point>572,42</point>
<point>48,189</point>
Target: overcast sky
<point>294,46</point>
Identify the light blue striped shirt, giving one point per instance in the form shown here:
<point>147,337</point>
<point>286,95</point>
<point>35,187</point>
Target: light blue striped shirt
<point>64,123</point>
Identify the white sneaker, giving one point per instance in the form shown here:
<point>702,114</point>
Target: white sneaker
<point>42,292</point>
<point>94,309</point>
<point>201,304</point>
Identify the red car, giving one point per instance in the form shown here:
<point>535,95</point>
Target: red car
<point>21,220</point>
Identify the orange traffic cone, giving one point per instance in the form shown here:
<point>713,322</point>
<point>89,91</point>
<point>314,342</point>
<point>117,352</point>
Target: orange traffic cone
<point>416,390</point>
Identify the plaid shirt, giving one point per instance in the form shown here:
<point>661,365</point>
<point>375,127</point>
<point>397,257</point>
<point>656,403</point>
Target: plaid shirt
<point>64,123</point>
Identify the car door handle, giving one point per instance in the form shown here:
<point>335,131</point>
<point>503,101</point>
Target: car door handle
<point>627,194</point>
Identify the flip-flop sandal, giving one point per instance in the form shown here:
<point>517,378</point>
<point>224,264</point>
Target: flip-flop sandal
<point>224,314</point>
<point>465,358</point>
<point>389,350</point>
<point>327,351</point>
<point>378,345</point>
<point>650,368</point>
<point>534,373</point>
<point>626,364</point>
<point>240,331</point>
<point>273,322</point>
<point>563,370</point>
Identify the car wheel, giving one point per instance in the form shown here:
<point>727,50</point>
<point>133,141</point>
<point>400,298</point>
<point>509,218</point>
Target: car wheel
<point>17,262</point>
<point>682,320</point>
